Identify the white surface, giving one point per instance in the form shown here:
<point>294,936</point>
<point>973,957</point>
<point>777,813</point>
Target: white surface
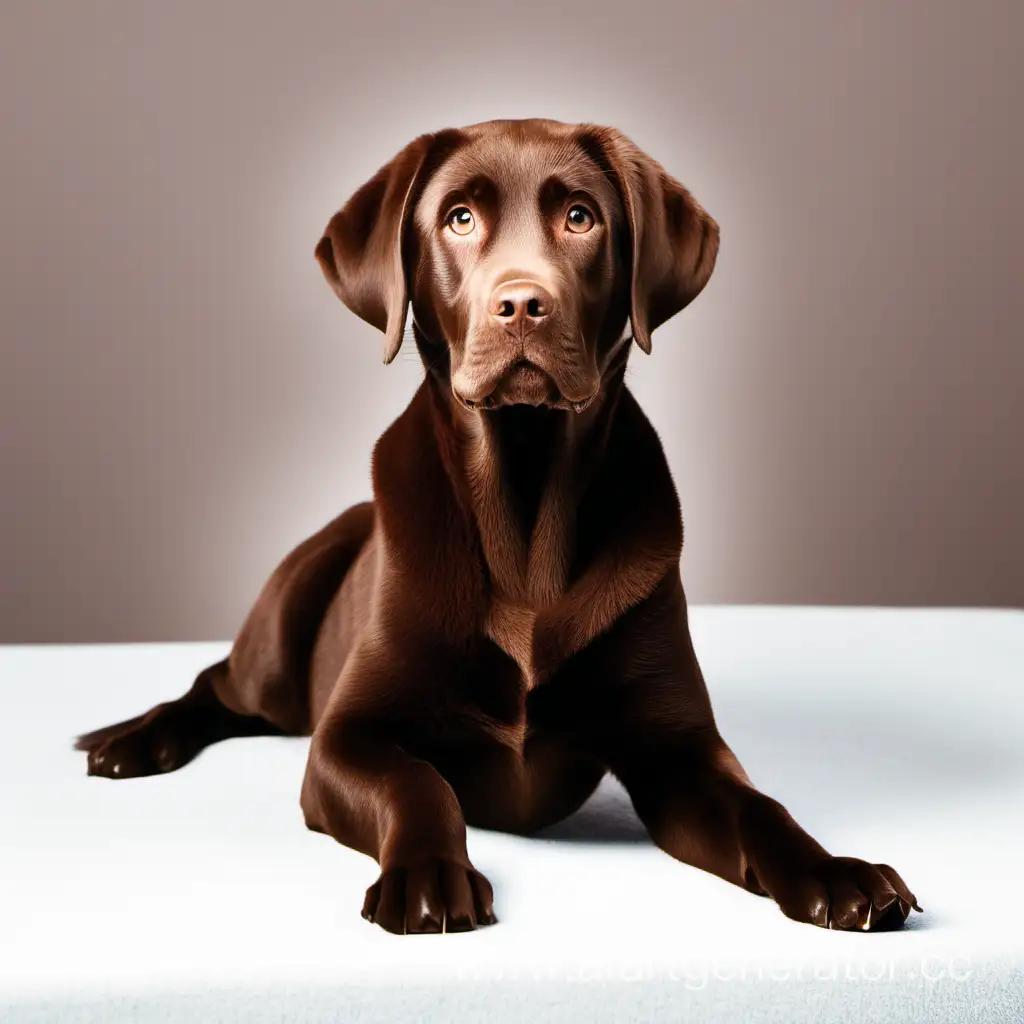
<point>200,896</point>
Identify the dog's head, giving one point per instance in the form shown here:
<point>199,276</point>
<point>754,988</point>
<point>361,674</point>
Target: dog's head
<point>526,249</point>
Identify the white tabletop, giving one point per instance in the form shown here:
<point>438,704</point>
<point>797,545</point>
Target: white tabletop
<point>892,735</point>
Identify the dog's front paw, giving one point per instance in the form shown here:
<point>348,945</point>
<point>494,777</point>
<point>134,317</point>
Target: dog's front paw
<point>433,895</point>
<point>848,894</point>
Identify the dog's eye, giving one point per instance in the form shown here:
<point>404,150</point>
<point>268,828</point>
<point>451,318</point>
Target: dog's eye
<point>461,220</point>
<point>579,219</point>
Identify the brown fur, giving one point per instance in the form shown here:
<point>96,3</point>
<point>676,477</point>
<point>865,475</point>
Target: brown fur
<point>505,622</point>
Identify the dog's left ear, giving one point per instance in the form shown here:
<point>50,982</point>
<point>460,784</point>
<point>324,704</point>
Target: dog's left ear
<point>363,249</point>
<point>674,239</point>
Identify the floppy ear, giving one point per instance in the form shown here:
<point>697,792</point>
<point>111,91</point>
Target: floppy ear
<point>674,239</point>
<point>362,250</point>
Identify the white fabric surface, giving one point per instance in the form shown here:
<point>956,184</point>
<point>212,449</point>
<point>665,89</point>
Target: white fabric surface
<point>893,735</point>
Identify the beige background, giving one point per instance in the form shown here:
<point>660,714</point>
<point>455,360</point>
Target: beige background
<point>182,399</point>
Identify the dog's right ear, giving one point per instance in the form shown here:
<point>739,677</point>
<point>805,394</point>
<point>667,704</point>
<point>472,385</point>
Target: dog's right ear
<point>362,252</point>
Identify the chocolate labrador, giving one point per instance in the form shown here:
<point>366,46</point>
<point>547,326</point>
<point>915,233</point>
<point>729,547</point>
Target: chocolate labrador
<point>504,623</point>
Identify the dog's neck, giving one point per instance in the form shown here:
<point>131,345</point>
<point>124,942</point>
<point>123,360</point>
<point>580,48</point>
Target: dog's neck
<point>522,472</point>
<point>574,516</point>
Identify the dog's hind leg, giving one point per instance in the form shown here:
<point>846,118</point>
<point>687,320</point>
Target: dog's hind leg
<point>262,687</point>
<point>171,734</point>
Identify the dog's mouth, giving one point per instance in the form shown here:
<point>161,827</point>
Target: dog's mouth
<point>525,383</point>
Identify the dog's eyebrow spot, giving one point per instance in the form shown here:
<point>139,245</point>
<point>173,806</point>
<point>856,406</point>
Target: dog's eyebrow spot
<point>478,188</point>
<point>554,190</point>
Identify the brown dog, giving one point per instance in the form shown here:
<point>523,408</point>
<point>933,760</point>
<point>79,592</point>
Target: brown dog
<point>505,622</point>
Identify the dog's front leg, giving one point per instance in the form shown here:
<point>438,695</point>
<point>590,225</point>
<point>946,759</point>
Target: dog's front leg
<point>697,802</point>
<point>368,793</point>
<point>699,806</point>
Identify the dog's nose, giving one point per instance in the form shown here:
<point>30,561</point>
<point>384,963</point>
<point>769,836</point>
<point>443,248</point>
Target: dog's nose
<point>516,301</point>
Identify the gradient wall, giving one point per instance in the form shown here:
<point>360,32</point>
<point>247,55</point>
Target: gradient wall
<point>182,398</point>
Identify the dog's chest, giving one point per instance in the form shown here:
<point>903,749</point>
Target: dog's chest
<point>511,627</point>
